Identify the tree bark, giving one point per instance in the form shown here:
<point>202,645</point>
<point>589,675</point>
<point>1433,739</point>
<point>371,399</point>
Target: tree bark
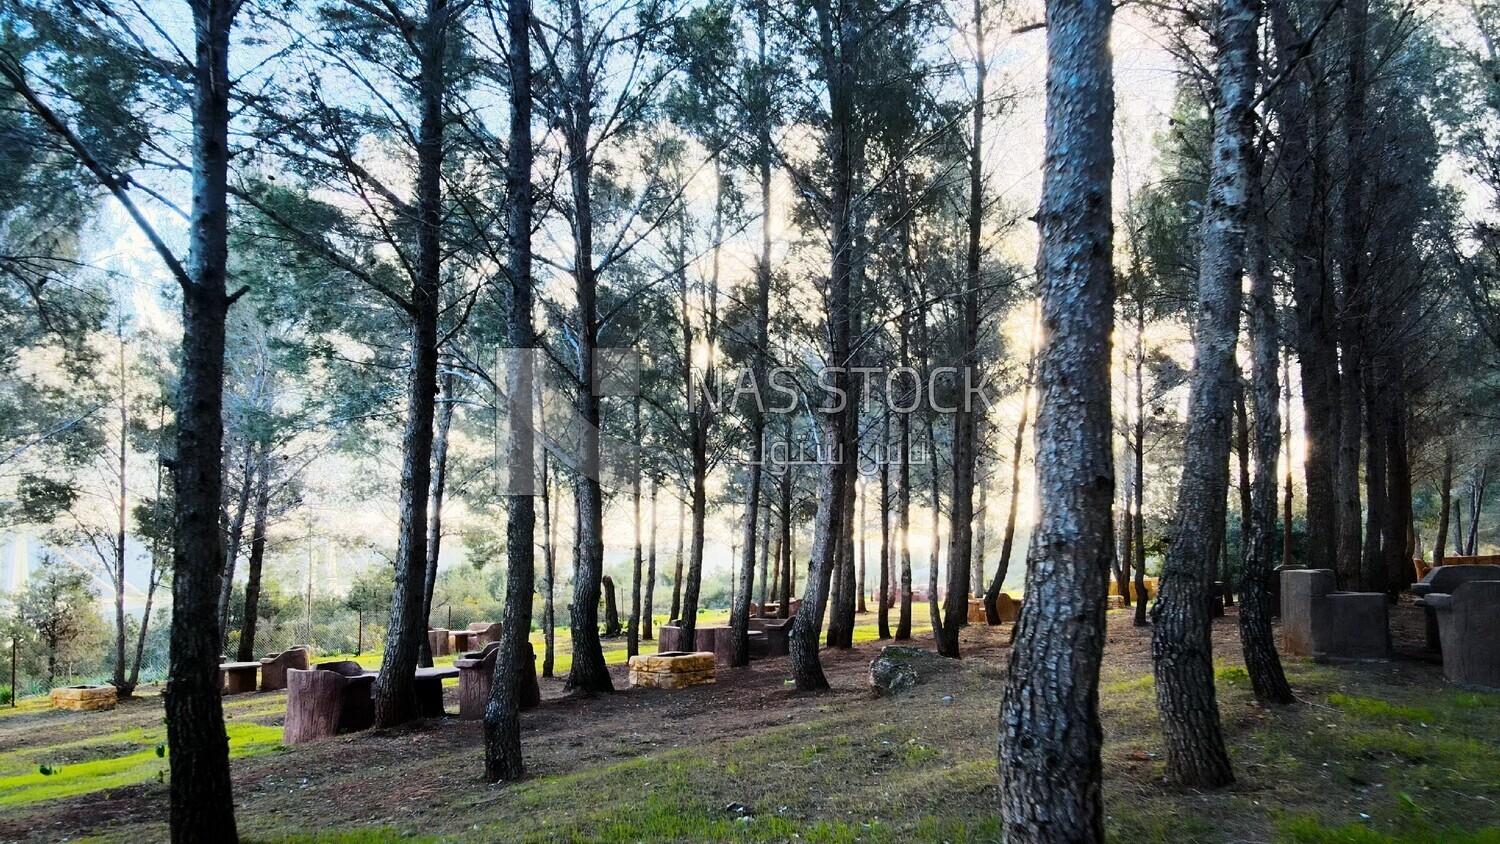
<point>589,674</point>
<point>202,801</point>
<point>1445,508</point>
<point>435,518</point>
<point>836,42</point>
<point>1138,484</point>
<point>638,555</point>
<point>1008,539</point>
<point>1050,769</point>
<point>1305,176</point>
<point>677,572</point>
<point>549,557</point>
<point>395,691</point>
<point>503,758</point>
<point>646,620</point>
<point>255,564</point>
<point>883,602</point>
<point>1257,641</point>
<point>1181,644</point>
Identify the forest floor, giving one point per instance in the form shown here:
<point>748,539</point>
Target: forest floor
<point>1374,752</point>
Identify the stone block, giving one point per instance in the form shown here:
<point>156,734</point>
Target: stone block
<point>1318,621</point>
<point>1301,628</point>
<point>672,670</point>
<point>84,698</point>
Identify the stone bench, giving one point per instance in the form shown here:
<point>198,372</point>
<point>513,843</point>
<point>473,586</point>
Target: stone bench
<point>476,677</point>
<point>1319,621</point>
<point>237,678</point>
<point>332,698</point>
<point>483,633</point>
<point>1446,579</point>
<point>777,631</point>
<point>976,613</point>
<point>438,641</point>
<point>1008,608</point>
<point>273,667</point>
<point>1469,623</point>
<point>671,670</point>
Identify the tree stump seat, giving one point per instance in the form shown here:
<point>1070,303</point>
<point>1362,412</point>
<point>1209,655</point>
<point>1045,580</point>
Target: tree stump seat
<point>237,678</point>
<point>273,667</point>
<point>1321,622</point>
<point>476,677</point>
<point>1469,623</point>
<point>331,698</point>
<point>672,669</point>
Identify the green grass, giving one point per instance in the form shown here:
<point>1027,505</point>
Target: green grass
<point>115,767</point>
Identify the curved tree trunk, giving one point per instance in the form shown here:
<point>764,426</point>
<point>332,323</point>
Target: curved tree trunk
<point>1181,644</point>
<point>255,564</point>
<point>1050,770</point>
<point>1256,639</point>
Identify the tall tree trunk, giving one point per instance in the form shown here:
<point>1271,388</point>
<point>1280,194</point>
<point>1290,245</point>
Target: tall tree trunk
<point>1287,558</point>
<point>903,519</point>
<point>1181,644</point>
<point>233,539</point>
<point>859,539</point>
<point>122,512</point>
<point>589,674</point>
<point>981,539</point>
<point>638,556</point>
<point>1050,769</point>
<point>935,555</point>
<point>435,518</point>
<point>1008,539</point>
<point>1374,572</point>
<point>256,563</point>
<point>395,694</point>
<point>784,594</point>
<point>1257,641</point>
<point>503,758</point>
<point>1138,483</point>
<point>1355,313</point>
<point>966,418</point>
<point>1301,117</point>
<point>646,620</point>
<point>883,605</point>
<point>677,570</point>
<point>202,801</point>
<point>1445,508</point>
<point>1398,472</point>
<point>836,40</point>
<point>549,562</point>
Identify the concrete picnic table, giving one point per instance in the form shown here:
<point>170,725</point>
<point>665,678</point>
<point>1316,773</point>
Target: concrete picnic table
<point>429,690</point>
<point>236,678</point>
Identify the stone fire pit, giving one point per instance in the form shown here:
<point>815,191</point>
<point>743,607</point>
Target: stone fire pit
<point>672,670</point>
<point>84,698</point>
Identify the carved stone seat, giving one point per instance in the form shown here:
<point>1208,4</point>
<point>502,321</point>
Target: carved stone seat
<point>1319,621</point>
<point>777,630</point>
<point>476,677</point>
<point>1446,579</point>
<point>428,686</point>
<point>1469,623</point>
<point>483,633</point>
<point>273,667</point>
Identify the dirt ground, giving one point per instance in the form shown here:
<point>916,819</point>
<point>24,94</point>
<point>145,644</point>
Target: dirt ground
<point>1374,752</point>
